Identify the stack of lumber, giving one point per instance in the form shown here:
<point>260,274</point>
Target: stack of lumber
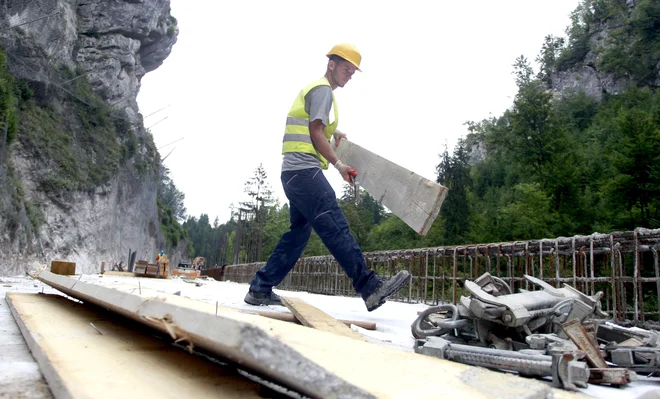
<point>145,269</point>
<point>306,360</point>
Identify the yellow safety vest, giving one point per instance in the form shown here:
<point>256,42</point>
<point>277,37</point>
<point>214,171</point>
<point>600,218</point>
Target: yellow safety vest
<point>297,137</point>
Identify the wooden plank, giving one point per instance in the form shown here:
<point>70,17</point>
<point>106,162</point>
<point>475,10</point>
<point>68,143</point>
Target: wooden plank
<point>367,325</point>
<point>383,371</point>
<point>121,274</point>
<point>311,316</point>
<point>413,198</point>
<point>87,353</point>
<point>576,332</point>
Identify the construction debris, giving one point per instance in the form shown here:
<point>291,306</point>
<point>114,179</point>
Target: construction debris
<point>557,332</point>
<point>305,360</point>
<point>565,372</point>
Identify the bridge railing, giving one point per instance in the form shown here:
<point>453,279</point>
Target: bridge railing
<point>622,265</point>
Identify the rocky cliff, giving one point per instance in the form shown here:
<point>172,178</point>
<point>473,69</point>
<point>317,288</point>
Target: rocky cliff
<point>612,45</point>
<point>80,180</point>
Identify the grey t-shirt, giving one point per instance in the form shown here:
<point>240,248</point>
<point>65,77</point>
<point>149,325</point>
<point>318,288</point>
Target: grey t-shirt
<point>318,103</point>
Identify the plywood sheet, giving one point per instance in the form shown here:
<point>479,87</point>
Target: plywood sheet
<point>225,335</point>
<point>414,199</point>
<point>87,353</point>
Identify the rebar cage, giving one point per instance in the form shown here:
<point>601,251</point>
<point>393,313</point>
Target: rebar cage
<point>623,265</point>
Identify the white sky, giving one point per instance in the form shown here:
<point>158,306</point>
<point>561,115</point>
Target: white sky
<point>428,67</point>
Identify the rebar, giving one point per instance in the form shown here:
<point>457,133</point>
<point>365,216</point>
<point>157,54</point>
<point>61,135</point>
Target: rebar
<point>592,263</point>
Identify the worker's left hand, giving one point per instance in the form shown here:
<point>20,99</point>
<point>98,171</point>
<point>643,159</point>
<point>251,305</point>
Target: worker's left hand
<point>346,172</point>
<point>338,137</point>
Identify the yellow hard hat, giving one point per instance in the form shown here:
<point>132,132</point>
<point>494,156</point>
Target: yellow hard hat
<point>347,52</point>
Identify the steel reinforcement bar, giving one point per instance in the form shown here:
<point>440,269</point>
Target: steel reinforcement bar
<point>623,265</point>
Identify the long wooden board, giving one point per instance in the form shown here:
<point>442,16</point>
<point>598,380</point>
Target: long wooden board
<point>384,372</point>
<point>118,274</point>
<point>87,353</point>
<point>367,325</point>
<point>413,198</point>
<point>313,317</point>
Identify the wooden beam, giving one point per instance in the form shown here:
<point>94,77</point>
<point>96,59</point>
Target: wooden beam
<point>413,198</point>
<point>320,360</point>
<point>63,267</point>
<point>313,317</point>
<point>367,325</point>
<point>88,353</point>
<point>119,274</point>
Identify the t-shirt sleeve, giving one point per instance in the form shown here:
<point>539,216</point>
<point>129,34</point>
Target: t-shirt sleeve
<point>318,103</point>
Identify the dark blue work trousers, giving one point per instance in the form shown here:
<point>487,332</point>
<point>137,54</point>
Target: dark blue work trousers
<point>313,204</point>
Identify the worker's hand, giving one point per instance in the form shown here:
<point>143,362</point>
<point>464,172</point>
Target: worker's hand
<point>338,137</point>
<point>346,172</point>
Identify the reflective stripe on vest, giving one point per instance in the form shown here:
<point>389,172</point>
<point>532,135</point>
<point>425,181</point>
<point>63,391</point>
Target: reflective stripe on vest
<point>296,133</point>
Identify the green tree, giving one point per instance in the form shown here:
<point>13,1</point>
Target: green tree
<point>637,158</point>
<point>170,195</point>
<point>393,233</point>
<point>256,209</point>
<point>547,59</point>
<point>362,216</point>
<point>454,173</point>
<point>529,215</point>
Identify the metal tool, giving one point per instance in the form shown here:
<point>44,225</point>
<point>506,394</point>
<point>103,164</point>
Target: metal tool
<point>566,372</point>
<point>515,310</point>
<point>352,174</point>
<point>612,376</point>
<point>421,328</point>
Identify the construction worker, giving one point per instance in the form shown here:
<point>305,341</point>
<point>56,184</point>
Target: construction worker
<point>312,201</point>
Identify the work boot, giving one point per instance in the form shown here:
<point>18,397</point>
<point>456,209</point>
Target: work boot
<point>386,289</point>
<point>263,298</point>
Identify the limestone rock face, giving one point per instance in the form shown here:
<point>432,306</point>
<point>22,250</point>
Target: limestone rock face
<point>586,76</point>
<point>113,43</point>
<point>589,80</point>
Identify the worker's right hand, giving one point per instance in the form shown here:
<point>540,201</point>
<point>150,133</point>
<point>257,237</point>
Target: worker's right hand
<point>345,171</point>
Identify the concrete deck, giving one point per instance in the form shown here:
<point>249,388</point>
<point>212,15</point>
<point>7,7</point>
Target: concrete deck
<point>19,373</point>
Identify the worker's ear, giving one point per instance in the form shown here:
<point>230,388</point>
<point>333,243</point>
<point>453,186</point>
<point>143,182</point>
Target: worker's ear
<point>331,65</point>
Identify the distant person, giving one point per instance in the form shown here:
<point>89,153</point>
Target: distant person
<point>312,201</point>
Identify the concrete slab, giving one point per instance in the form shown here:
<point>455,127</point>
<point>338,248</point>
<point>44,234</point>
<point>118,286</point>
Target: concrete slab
<point>414,199</point>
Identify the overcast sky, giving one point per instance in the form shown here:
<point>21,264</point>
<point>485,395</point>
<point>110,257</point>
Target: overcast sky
<point>428,67</point>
